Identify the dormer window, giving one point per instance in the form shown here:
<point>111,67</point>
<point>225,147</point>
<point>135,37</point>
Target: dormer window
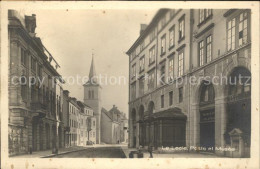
<point>204,15</point>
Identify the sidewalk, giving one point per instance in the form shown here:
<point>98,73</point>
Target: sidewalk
<point>48,153</point>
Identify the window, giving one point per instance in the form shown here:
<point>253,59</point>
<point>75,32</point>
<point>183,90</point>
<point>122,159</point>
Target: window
<point>162,101</point>
<point>180,64</point>
<point>133,91</point>
<point>231,34</point>
<point>170,98</point>
<point>171,36</point>
<point>141,86</point>
<point>89,94</point>
<point>94,134</point>
<point>23,57</point>
<point>163,22</point>
<point>201,52</point>
<point>181,28</point>
<point>163,44</point>
<point>242,28</point>
<point>151,55</point>
<point>205,51</point>
<point>133,70</point>
<point>162,77</point>
<point>33,64</point>
<point>142,45</point>
<point>170,75</point>
<point>180,94</point>
<point>204,14</point>
<point>40,71</point>
<point>94,123</point>
<point>141,62</point>
<point>152,35</point>
<point>151,80</point>
<point>207,93</point>
<point>208,48</point>
<point>201,15</point>
<point>132,56</point>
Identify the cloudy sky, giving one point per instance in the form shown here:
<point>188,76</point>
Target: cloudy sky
<point>72,35</point>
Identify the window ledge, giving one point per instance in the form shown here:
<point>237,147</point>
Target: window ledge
<point>162,54</point>
<point>150,64</point>
<point>141,71</point>
<point>205,20</point>
<point>171,47</point>
<point>181,39</point>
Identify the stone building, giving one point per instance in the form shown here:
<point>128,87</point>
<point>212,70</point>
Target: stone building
<point>180,69</point>
<point>113,126</point>
<point>65,112</point>
<point>87,124</point>
<point>35,89</point>
<point>74,119</point>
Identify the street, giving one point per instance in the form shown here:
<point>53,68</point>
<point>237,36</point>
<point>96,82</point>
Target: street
<point>96,152</point>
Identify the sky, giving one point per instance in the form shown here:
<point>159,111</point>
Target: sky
<point>72,36</point>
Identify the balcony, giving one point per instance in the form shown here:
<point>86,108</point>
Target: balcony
<point>40,108</point>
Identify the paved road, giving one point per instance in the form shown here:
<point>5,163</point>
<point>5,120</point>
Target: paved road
<point>96,152</point>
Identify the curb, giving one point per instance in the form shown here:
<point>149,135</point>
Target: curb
<point>67,152</point>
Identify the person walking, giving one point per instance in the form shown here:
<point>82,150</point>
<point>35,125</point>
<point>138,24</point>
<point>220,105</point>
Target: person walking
<point>150,150</point>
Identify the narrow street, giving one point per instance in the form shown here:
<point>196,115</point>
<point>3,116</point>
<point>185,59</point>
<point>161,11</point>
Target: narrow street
<point>96,152</point>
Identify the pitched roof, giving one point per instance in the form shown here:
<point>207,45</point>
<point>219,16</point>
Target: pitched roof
<point>109,115</point>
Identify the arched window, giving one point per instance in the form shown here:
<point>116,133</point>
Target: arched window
<point>207,93</point>
<point>239,82</point>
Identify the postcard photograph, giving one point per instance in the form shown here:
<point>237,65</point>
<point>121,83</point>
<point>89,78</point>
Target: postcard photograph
<point>161,82</point>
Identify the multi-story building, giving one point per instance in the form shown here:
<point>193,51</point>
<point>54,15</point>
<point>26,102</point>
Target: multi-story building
<point>65,117</point>
<point>87,124</point>
<point>180,67</point>
<point>33,117</point>
<point>59,112</point>
<point>74,114</point>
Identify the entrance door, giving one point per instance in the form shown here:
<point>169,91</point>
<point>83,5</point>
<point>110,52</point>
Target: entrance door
<point>207,117</point>
<point>207,135</point>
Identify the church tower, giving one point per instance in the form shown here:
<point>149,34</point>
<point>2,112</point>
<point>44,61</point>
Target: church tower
<point>92,97</point>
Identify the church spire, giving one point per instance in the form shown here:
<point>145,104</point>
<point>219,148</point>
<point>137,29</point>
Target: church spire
<point>92,72</point>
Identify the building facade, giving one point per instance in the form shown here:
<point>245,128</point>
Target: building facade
<point>87,124</point>
<point>179,92</point>
<point>113,126</point>
<point>35,89</point>
<point>66,119</point>
<point>74,119</point>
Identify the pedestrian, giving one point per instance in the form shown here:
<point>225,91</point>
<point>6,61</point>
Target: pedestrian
<point>150,150</point>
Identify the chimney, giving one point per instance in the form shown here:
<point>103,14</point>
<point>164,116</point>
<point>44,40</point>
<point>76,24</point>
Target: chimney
<point>143,27</point>
<point>66,92</point>
<point>30,23</point>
